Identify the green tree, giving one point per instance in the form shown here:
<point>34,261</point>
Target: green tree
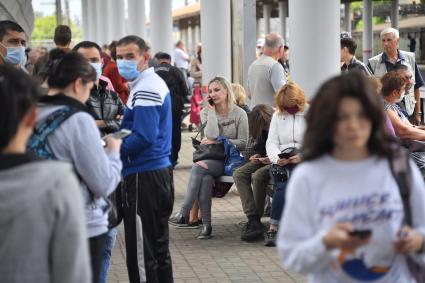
<point>44,28</point>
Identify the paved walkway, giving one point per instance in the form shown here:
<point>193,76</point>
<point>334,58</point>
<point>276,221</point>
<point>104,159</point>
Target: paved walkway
<point>223,258</point>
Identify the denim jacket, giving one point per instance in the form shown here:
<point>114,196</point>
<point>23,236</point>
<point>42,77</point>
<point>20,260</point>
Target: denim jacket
<point>105,105</point>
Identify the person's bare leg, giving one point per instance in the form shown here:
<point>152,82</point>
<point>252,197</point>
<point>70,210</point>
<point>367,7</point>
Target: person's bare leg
<point>194,212</point>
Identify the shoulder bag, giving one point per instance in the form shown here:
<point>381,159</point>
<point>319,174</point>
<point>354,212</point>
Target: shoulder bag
<point>206,151</point>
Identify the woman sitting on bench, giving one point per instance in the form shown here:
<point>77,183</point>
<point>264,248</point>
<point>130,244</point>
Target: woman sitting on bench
<point>222,118</point>
<point>286,133</point>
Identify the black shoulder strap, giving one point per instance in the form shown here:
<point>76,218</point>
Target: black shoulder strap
<point>400,169</point>
<point>200,129</point>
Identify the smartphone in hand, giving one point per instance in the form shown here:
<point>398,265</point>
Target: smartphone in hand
<point>210,101</point>
<point>284,155</point>
<point>119,134</point>
<point>360,233</point>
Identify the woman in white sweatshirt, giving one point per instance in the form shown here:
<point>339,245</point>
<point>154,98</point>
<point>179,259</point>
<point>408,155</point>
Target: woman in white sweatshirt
<point>286,131</point>
<point>345,185</point>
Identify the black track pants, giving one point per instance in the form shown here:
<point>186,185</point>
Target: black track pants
<point>148,203</point>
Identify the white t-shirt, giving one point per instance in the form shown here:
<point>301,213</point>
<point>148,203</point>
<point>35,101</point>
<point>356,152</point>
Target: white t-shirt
<point>180,58</point>
<point>326,191</point>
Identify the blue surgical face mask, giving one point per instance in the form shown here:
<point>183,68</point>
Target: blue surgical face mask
<point>14,55</point>
<point>98,69</point>
<point>128,69</point>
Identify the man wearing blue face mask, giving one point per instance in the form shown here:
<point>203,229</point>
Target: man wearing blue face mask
<point>148,180</point>
<point>12,44</point>
<point>104,103</point>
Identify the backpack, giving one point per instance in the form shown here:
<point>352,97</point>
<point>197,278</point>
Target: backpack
<point>39,146</point>
<point>400,169</point>
<point>37,143</point>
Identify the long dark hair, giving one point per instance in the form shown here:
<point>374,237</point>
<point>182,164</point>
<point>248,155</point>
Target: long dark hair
<point>259,120</point>
<point>322,116</point>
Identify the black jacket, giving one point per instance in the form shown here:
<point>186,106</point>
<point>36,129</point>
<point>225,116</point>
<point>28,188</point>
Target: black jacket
<point>176,84</point>
<point>355,65</point>
<point>105,105</point>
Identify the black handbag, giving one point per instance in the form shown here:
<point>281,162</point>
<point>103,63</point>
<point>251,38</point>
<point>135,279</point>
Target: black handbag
<point>282,173</point>
<point>206,151</point>
<point>116,213</point>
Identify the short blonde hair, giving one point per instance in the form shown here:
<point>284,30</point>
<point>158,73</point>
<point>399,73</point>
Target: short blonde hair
<point>239,92</point>
<point>226,84</point>
<point>290,95</point>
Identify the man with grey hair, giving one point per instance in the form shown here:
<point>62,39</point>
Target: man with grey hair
<point>266,75</point>
<point>387,62</point>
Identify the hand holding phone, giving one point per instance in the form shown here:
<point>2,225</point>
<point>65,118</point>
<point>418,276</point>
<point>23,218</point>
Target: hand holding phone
<point>118,134</point>
<point>283,155</point>
<point>211,101</point>
<point>254,158</point>
<point>112,144</point>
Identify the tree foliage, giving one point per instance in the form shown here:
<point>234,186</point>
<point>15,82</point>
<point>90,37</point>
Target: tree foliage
<point>44,28</point>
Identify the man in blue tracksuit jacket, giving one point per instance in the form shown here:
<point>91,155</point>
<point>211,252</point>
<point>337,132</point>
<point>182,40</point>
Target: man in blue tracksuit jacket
<point>148,181</point>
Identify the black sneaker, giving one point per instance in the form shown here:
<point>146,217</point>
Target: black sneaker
<point>205,232</point>
<point>193,225</point>
<point>270,238</point>
<point>253,230</point>
<point>179,220</point>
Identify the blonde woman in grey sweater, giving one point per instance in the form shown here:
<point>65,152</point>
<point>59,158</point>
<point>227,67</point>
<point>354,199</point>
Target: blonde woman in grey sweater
<point>221,117</point>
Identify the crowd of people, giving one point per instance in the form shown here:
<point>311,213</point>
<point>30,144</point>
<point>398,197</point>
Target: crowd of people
<point>90,136</point>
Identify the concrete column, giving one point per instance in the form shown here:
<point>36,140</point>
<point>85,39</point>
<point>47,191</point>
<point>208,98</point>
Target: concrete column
<point>243,39</point>
<point>216,39</point>
<point>107,26</point>
<point>193,37</point>
<point>283,14</point>
<point>58,12</point>
<point>118,24</point>
<point>347,17</point>
<point>101,22</point>
<point>85,19</point>
<point>184,36</point>
<point>93,4</point>
<point>91,20</point>
<point>197,31</point>
<point>258,27</point>
<point>319,23</point>
<point>367,30</point>
<point>267,11</point>
<point>161,26</point>
<point>136,17</point>
<point>394,14</point>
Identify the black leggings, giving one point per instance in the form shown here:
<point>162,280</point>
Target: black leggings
<point>97,245</point>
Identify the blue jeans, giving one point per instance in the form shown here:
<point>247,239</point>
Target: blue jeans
<point>107,253</point>
<point>278,203</point>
